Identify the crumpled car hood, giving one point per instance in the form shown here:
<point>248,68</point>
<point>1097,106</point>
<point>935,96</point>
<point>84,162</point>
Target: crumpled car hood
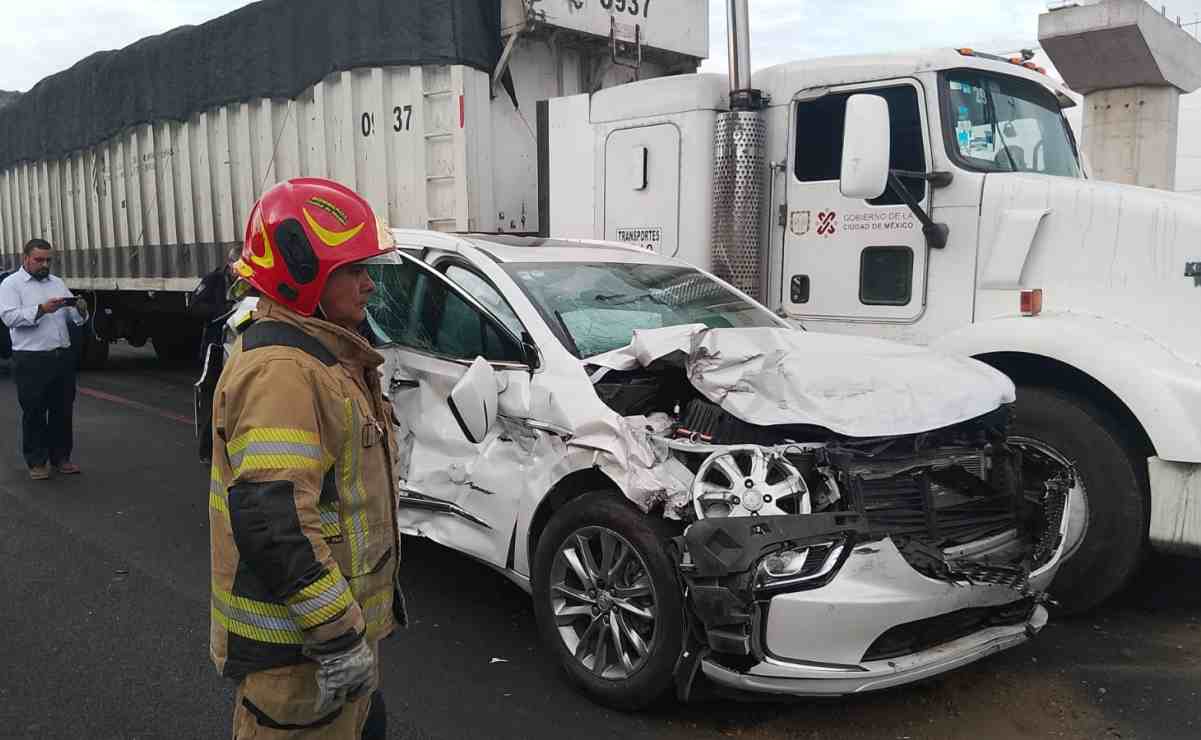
<point>853,386</point>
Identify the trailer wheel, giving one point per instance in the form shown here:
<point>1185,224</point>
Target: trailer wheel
<point>607,600</point>
<point>1115,485</point>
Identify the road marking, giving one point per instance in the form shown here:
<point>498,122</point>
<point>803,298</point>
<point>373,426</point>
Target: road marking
<point>93,393</point>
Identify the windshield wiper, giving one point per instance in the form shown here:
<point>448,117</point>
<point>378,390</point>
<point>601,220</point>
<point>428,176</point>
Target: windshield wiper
<point>623,299</point>
<point>568,339</point>
<point>996,127</point>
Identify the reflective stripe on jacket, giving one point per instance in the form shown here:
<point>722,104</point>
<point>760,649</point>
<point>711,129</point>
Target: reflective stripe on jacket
<point>302,495</point>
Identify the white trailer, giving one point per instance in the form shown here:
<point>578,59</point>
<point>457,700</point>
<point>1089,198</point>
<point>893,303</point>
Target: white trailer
<point>140,217</point>
<point>1086,293</point>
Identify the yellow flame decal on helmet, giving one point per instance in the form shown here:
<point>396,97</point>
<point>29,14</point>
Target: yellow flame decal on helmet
<point>330,238</point>
<point>267,259</point>
<point>329,208</point>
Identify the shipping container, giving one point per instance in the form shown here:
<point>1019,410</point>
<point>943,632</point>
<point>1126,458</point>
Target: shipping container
<point>139,217</point>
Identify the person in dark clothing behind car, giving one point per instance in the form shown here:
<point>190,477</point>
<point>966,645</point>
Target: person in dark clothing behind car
<point>211,303</point>
<point>210,300</point>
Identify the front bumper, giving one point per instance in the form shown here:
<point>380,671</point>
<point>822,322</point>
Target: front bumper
<point>876,591</point>
<point>796,679</point>
<point>824,640</point>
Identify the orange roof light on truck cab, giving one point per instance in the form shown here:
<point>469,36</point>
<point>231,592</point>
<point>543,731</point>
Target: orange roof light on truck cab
<point>1021,61</point>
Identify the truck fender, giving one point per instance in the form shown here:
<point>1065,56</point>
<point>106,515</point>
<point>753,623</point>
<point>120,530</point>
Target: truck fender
<point>1161,389</point>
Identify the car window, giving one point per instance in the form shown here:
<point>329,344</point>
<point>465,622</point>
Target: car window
<point>413,308</point>
<point>489,297</point>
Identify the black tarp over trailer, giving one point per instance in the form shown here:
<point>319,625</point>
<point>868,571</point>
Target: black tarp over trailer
<point>269,49</point>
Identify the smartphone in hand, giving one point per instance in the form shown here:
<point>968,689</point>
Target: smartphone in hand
<point>70,300</point>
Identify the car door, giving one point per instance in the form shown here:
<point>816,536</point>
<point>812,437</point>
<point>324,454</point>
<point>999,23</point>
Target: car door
<point>453,491</point>
<point>848,259</point>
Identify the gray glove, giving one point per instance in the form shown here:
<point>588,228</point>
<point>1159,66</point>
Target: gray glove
<point>343,676</point>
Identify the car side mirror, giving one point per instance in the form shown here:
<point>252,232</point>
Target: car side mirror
<point>866,147</point>
<point>474,401</point>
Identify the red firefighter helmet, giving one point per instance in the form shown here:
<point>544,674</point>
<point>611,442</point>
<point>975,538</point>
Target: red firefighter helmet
<point>302,230</point>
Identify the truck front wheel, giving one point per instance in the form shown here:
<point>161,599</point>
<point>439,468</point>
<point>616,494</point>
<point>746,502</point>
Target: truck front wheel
<point>1069,427</point>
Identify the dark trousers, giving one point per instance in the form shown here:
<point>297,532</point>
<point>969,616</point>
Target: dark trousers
<point>46,390</point>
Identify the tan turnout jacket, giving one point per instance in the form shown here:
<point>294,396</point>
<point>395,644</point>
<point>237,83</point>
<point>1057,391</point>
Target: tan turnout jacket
<point>302,497</point>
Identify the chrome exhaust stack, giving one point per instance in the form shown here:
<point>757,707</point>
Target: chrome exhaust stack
<point>740,169</point>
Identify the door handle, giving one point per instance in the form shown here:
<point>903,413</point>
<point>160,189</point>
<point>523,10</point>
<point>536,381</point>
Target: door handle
<point>399,381</point>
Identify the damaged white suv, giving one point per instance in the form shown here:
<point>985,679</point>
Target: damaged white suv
<point>689,486</point>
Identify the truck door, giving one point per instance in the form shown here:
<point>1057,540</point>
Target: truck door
<point>853,260</point>
<point>642,187</point>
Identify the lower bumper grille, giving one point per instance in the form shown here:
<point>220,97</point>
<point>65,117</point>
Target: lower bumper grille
<point>924,634</point>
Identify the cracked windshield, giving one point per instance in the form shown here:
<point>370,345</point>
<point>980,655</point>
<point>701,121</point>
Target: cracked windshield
<point>597,308</point>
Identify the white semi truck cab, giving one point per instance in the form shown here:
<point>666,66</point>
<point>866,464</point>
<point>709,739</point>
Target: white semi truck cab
<point>1088,294</point>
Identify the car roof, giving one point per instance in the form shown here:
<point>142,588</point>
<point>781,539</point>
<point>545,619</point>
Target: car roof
<point>506,248</point>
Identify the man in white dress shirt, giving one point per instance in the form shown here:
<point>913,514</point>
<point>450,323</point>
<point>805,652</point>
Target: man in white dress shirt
<point>36,307</point>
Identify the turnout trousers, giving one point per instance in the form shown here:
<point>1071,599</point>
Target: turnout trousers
<point>278,704</point>
<point>46,391</point>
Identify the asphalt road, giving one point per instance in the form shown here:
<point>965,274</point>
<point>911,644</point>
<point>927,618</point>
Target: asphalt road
<point>104,623</point>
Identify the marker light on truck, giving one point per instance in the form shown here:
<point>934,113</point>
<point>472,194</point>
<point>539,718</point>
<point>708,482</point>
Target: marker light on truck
<point>1032,302</point>
<point>1018,61</point>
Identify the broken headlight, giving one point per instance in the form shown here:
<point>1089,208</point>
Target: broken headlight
<point>800,566</point>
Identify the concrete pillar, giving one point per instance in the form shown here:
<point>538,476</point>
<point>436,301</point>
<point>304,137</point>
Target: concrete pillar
<point>1131,133</point>
<point>1131,64</point>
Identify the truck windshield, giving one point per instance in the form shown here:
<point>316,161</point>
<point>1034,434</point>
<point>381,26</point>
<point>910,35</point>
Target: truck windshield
<point>997,123</point>
<point>595,308</point>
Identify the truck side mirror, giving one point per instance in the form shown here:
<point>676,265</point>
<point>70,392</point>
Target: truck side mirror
<point>474,401</point>
<point>866,147</point>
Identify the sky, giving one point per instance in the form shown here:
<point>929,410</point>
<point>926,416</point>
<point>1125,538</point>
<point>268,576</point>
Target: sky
<point>785,30</point>
<point>54,34</point>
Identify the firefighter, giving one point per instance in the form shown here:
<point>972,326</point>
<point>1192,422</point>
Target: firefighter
<point>304,542</point>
